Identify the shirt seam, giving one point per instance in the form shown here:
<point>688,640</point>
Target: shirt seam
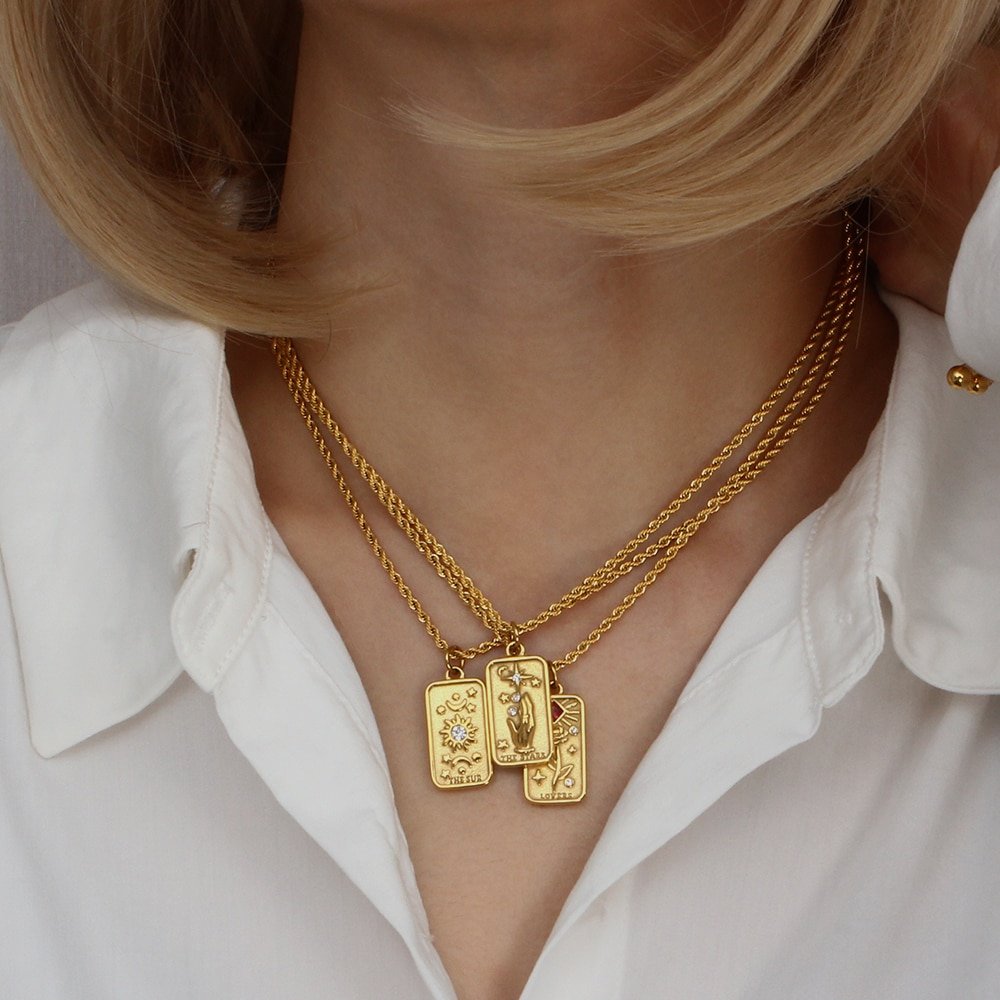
<point>184,598</point>
<point>209,616</point>
<point>396,837</point>
<point>805,618</point>
<point>872,647</point>
<point>316,668</point>
<point>253,617</point>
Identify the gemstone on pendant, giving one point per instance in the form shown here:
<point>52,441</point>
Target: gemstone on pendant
<point>515,698</point>
<point>512,711</point>
<point>567,768</point>
<point>459,733</point>
<point>516,677</point>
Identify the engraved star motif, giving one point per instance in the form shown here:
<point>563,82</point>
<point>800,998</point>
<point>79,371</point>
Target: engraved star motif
<point>538,777</point>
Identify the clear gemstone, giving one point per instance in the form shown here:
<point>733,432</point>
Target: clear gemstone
<point>459,733</point>
<point>515,698</point>
<point>516,677</point>
<point>569,782</point>
<point>512,711</point>
<point>574,730</point>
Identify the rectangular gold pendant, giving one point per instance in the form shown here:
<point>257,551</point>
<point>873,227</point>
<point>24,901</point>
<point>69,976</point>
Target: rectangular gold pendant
<point>562,778</point>
<point>458,733</point>
<point>517,698</point>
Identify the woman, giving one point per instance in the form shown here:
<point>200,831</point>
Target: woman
<point>543,264</point>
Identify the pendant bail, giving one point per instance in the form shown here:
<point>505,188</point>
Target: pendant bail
<point>555,685</point>
<point>454,661</point>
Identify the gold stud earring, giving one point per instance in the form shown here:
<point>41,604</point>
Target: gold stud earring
<point>967,378</point>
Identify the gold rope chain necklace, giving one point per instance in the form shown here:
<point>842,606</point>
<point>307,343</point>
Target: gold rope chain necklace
<point>521,716</point>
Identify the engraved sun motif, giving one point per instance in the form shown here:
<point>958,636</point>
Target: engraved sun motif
<point>458,732</point>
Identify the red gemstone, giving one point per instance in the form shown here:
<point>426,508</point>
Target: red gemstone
<point>557,711</point>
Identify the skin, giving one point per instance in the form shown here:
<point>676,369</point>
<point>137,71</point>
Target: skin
<point>951,168</point>
<point>535,403</point>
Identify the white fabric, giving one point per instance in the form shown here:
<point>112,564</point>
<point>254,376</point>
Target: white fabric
<point>36,259</point>
<point>973,296</point>
<point>819,818</point>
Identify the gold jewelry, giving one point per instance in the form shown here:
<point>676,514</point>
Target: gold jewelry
<point>967,378</point>
<point>547,740</point>
<point>838,306</point>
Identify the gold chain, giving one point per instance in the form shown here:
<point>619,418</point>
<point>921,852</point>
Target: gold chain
<point>824,346</point>
<point>617,565</point>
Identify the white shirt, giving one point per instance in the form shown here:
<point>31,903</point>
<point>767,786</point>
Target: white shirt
<point>194,800</point>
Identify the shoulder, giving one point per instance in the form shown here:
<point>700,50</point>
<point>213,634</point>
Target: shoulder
<point>103,400</point>
<point>95,343</point>
<point>110,414</point>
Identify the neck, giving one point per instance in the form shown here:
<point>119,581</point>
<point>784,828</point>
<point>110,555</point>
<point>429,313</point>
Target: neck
<point>499,338</point>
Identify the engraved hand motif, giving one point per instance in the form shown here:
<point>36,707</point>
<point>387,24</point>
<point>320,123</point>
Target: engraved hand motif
<point>519,710</point>
<point>522,724</point>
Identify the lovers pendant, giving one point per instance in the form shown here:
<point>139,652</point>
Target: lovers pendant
<point>563,777</point>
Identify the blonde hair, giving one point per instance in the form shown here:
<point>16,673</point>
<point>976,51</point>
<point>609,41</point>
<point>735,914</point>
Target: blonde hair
<point>163,159</point>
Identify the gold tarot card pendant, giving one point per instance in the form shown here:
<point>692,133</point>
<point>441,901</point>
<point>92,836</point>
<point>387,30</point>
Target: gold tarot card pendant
<point>563,777</point>
<point>518,703</point>
<point>458,733</point>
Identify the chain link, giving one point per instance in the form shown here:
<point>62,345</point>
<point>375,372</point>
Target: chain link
<point>819,356</point>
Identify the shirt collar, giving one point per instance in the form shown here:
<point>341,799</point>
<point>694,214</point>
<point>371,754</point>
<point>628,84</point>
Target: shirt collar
<point>133,540</point>
<point>937,550</point>
<point>915,521</point>
<point>135,544</point>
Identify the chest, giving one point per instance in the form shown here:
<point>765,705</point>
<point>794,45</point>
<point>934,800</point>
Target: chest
<point>494,870</point>
<point>859,863</point>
